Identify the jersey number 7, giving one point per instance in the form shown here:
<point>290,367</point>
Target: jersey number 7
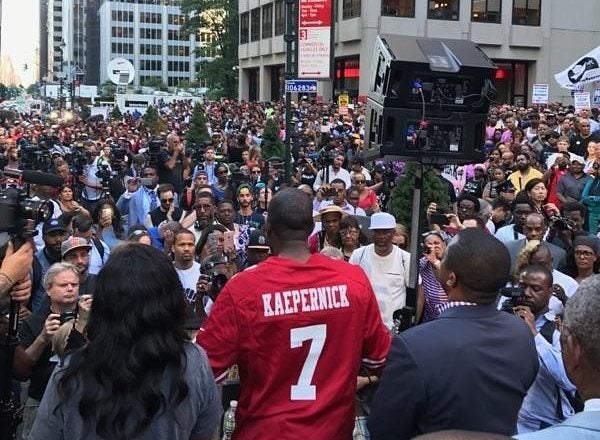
<point>316,334</point>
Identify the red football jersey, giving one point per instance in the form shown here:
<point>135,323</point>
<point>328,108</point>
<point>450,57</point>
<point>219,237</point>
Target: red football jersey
<point>298,333</point>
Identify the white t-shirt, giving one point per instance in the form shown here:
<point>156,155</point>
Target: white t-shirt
<point>388,276</point>
<point>189,278</point>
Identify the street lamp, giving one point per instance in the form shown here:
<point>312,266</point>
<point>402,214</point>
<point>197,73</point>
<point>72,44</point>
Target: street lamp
<point>61,48</point>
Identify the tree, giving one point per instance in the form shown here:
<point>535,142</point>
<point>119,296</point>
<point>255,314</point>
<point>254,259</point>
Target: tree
<point>155,82</point>
<point>108,89</point>
<point>85,111</point>
<point>116,113</point>
<point>197,132</point>
<point>152,121</point>
<point>219,54</point>
<point>434,190</point>
<point>272,144</point>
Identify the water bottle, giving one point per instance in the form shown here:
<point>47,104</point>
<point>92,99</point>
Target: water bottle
<point>229,421</point>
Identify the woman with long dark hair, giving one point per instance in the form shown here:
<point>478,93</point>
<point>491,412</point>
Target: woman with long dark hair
<point>137,377</point>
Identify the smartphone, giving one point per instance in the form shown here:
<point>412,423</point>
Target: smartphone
<point>439,219</point>
<point>146,181</point>
<point>106,212</point>
<point>229,239</point>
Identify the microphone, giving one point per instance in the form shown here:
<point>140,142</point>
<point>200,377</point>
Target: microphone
<point>37,177</point>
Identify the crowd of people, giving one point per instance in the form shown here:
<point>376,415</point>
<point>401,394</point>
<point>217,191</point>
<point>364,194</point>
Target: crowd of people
<point>164,269</point>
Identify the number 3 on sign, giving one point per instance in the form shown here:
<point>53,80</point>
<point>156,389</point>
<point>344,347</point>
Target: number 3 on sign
<point>303,390</point>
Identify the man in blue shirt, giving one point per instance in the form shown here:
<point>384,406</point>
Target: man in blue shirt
<point>546,403</point>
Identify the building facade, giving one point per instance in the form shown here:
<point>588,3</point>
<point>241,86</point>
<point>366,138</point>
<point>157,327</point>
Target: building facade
<point>529,40</point>
<point>148,34</point>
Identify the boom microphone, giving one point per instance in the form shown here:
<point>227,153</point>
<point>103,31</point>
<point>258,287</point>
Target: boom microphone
<point>37,177</point>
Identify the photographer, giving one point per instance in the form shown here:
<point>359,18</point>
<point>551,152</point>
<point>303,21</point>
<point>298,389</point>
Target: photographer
<point>93,189</point>
<point>548,400</point>
<point>568,226</point>
<point>173,164</point>
<point>332,171</point>
<point>61,283</point>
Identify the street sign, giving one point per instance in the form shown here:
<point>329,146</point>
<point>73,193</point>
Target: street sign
<point>315,54</point>
<point>300,86</point>
<point>343,101</point>
<point>540,94</point>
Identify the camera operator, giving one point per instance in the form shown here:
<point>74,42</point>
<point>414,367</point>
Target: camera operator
<point>61,282</point>
<point>93,186</point>
<point>568,226</point>
<point>173,164</point>
<point>333,171</point>
<point>548,400</point>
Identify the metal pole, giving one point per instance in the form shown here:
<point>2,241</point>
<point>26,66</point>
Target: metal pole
<point>60,87</point>
<point>289,74</point>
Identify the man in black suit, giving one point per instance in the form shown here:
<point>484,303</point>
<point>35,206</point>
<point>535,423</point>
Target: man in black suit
<point>470,368</point>
<point>535,228</point>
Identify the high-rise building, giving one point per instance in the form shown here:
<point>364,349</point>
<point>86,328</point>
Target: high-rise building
<point>148,34</point>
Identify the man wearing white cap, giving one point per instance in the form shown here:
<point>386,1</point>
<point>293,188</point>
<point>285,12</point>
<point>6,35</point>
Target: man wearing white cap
<point>387,266</point>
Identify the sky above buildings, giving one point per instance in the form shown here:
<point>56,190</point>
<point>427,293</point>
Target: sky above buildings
<point>19,42</point>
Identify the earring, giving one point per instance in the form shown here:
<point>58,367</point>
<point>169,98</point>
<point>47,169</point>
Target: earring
<point>449,283</point>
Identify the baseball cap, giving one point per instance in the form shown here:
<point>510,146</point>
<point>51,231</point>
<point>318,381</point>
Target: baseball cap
<point>53,225</point>
<point>382,220</point>
<point>72,244</point>
<point>258,240</point>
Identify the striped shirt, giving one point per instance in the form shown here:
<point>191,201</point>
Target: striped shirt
<point>443,307</point>
<point>432,290</point>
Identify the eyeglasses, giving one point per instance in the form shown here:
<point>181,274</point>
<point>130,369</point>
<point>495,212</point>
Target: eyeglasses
<point>584,254</point>
<point>166,200</point>
<point>349,231</point>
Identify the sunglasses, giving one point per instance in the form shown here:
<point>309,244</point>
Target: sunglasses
<point>166,200</point>
<point>255,172</point>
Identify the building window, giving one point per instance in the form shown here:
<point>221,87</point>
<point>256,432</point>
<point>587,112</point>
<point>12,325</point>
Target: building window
<point>125,48</point>
<point>178,66</point>
<point>152,34</point>
<point>486,11</point>
<point>150,65</point>
<point>350,9</point>
<point>179,51</point>
<point>121,32</point>
<point>244,27</point>
<point>398,8</point>
<point>150,17</point>
<point>150,49</point>
<point>176,35</point>
<point>526,12</point>
<point>176,19</point>
<point>279,17</point>
<point>122,15</point>
<point>267,21</point>
<point>443,9</point>
<point>255,24</point>
<point>347,72</point>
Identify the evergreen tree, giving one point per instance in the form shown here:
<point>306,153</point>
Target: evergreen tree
<point>197,132</point>
<point>85,111</point>
<point>116,113</point>
<point>434,190</point>
<point>153,122</point>
<point>272,144</point>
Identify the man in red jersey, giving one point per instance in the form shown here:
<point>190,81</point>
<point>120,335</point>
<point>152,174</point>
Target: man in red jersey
<point>298,326</point>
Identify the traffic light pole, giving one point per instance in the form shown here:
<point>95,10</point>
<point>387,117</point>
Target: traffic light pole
<point>289,38</point>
